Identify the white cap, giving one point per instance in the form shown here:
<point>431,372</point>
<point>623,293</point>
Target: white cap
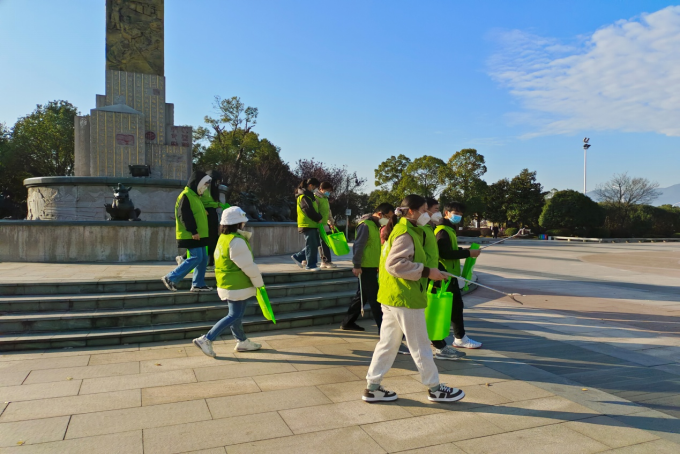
<point>233,215</point>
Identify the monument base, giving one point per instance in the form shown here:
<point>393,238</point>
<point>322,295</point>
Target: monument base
<point>83,198</point>
<point>122,241</point>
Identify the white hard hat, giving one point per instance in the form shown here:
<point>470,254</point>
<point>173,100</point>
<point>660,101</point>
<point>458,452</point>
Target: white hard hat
<point>233,215</point>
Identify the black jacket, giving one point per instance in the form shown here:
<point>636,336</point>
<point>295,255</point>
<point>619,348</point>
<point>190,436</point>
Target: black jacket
<point>306,205</point>
<point>444,244</point>
<point>186,217</point>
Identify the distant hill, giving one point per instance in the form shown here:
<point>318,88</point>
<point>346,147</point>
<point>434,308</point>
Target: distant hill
<point>668,196</point>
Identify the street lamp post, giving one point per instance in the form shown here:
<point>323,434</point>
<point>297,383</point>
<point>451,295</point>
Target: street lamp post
<point>586,147</point>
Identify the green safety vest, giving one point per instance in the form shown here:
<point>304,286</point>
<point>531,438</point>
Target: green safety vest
<point>372,249</point>
<point>430,246</point>
<point>324,209</point>
<point>451,265</point>
<point>207,200</point>
<point>305,222</point>
<point>199,212</point>
<point>395,291</point>
<point>227,274</point>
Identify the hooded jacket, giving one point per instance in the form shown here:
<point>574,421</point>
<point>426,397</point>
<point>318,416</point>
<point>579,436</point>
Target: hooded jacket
<point>186,217</point>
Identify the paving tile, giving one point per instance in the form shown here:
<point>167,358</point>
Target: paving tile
<point>107,370</point>
<point>418,432</point>
<point>121,443</point>
<point>350,391</point>
<point>155,366</point>
<point>59,353</point>
<point>241,370</point>
<point>337,441</point>
<point>225,349</point>
<point>215,433</point>
<point>247,404</point>
<point>302,358</point>
<point>108,384</point>
<point>518,390</point>
<point>32,432</point>
<point>307,378</point>
<point>203,390</point>
<point>399,368</point>
<point>106,422</point>
<point>657,447</point>
<point>610,432</point>
<point>343,414</point>
<point>39,391</point>
<point>137,355</point>
<point>220,450</point>
<point>533,413</point>
<point>304,341</point>
<point>447,448</point>
<point>554,439</point>
<point>13,377</point>
<point>655,422</point>
<point>474,375</point>
<point>72,405</point>
<point>45,363</point>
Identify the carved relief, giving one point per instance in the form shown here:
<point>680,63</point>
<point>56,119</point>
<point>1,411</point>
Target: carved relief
<point>134,36</point>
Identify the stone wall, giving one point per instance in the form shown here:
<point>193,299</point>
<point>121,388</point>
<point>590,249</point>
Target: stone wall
<point>57,241</point>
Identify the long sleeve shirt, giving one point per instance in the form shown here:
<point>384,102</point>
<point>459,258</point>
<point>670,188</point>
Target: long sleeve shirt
<point>241,255</point>
<point>400,261</point>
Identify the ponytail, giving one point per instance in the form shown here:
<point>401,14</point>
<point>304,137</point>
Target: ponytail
<point>411,202</point>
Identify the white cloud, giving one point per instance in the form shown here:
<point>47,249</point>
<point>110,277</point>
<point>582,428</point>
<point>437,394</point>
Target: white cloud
<point>625,77</point>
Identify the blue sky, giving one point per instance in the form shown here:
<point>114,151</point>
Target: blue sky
<point>354,82</point>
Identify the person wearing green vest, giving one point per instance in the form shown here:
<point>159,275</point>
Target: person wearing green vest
<point>237,277</point>
<point>191,232</point>
<point>450,256</point>
<point>366,256</point>
<point>322,195</point>
<point>403,277</point>
<point>211,202</point>
<point>308,224</point>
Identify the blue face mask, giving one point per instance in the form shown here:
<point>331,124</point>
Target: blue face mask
<point>455,218</point>
<point>327,194</point>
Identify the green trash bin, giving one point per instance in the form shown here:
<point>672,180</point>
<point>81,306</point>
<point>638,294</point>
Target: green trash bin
<point>265,306</point>
<point>467,272</point>
<point>336,241</point>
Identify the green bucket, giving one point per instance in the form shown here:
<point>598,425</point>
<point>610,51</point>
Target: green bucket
<point>467,272</point>
<point>336,241</point>
<point>439,311</point>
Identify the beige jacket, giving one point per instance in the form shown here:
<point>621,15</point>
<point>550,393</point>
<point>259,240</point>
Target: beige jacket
<point>400,260</point>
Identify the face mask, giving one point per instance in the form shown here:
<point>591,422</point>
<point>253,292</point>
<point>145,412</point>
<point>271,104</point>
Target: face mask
<point>202,189</point>
<point>455,218</point>
<point>245,234</point>
<point>436,216</point>
<point>423,219</point>
<point>383,221</point>
<point>327,194</point>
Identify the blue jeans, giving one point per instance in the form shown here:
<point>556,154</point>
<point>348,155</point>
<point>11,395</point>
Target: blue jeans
<point>310,251</point>
<point>233,321</point>
<point>197,262</point>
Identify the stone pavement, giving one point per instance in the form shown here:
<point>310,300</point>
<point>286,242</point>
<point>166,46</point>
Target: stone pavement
<point>588,363</point>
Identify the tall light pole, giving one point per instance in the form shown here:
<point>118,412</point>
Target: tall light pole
<point>586,147</point>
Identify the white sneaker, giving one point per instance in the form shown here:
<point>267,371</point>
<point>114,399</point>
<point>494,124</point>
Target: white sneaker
<point>210,268</point>
<point>316,268</point>
<point>203,289</point>
<point>466,342</point>
<point>446,394</point>
<point>379,395</point>
<point>448,353</point>
<point>179,260</point>
<point>205,345</point>
<point>246,346</point>
<point>328,265</point>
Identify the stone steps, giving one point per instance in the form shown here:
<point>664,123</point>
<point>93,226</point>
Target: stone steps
<point>67,314</point>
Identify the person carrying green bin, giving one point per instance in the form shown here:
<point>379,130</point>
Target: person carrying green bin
<point>211,201</point>
<point>322,195</point>
<point>308,224</point>
<point>450,256</point>
<point>238,279</point>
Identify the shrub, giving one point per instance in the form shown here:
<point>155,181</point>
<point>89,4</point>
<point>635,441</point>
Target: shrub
<point>571,210</point>
<point>559,232</point>
<point>510,231</point>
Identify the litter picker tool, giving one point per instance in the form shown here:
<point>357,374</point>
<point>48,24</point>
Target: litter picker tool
<point>501,241</point>
<point>361,294</point>
<point>510,295</point>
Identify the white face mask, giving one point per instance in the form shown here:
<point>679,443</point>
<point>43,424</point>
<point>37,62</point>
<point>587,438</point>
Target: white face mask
<point>436,216</point>
<point>383,221</point>
<point>245,234</point>
<point>423,219</point>
<point>201,189</point>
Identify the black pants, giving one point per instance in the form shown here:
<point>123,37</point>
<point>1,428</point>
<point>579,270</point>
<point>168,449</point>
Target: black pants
<point>213,233</point>
<point>325,251</point>
<point>369,278</point>
<point>457,314</point>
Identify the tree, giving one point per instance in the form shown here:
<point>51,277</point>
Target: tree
<point>390,172</point>
<point>623,193</point>
<point>425,176</point>
<point>496,201</point>
<point>525,199</point>
<point>465,170</point>
<point>571,210</point>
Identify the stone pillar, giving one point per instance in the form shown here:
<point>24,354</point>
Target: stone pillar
<point>82,149</point>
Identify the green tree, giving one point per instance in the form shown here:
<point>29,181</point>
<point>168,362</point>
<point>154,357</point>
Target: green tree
<point>525,199</point>
<point>390,172</point>
<point>496,201</point>
<point>571,210</point>
<point>464,174</point>
<point>425,176</point>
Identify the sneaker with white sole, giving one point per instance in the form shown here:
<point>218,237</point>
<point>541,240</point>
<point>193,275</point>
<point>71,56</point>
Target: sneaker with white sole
<point>316,268</point>
<point>328,265</point>
<point>403,350</point>
<point>170,285</point>
<point>466,342</point>
<point>203,289</point>
<point>379,395</point>
<point>246,346</point>
<point>205,345</point>
<point>300,265</point>
<point>210,268</point>
<point>445,394</point>
<point>179,260</point>
<point>448,353</point>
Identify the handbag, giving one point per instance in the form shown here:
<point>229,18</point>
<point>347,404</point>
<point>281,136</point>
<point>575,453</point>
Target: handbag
<point>439,311</point>
<point>336,241</point>
<point>264,302</point>
<point>467,272</point>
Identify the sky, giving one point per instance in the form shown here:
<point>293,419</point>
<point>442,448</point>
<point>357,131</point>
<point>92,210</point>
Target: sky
<point>351,83</point>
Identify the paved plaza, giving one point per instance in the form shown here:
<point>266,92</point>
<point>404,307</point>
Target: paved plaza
<point>588,363</point>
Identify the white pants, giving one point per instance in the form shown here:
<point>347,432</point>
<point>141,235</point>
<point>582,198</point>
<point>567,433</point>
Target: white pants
<point>411,323</point>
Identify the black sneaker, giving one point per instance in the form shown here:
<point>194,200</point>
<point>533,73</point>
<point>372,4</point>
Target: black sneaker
<point>379,395</point>
<point>351,327</point>
<point>170,285</point>
<point>404,350</point>
<point>205,288</point>
<point>446,394</point>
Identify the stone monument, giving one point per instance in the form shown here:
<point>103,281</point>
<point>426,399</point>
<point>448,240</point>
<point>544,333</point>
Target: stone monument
<point>131,125</point>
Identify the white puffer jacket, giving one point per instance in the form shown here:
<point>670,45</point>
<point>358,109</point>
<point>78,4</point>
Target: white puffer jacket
<point>242,256</point>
